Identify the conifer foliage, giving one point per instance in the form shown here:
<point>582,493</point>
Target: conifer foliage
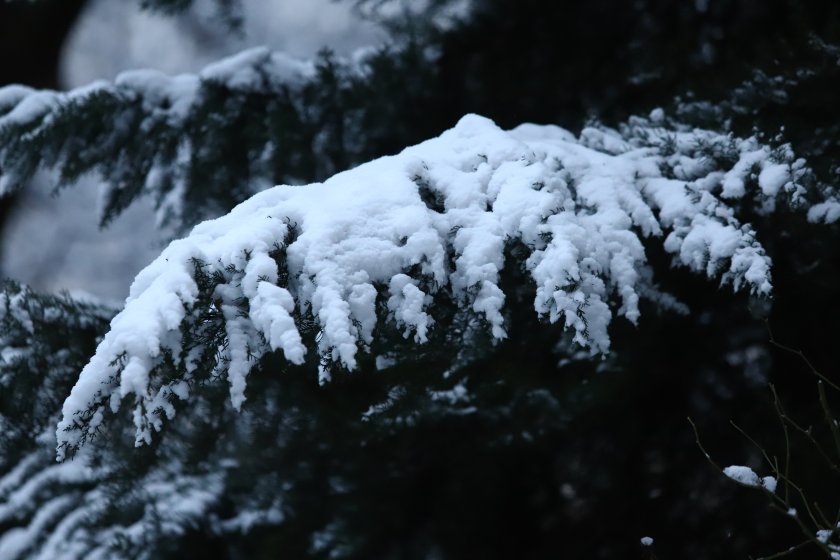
<point>383,245</point>
<point>199,144</point>
<point>304,355</point>
<point>44,340</point>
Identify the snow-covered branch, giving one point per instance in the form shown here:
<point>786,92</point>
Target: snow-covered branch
<point>384,248</point>
<point>44,339</point>
<point>197,143</point>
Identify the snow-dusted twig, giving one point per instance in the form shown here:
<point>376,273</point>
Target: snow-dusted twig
<point>818,529</point>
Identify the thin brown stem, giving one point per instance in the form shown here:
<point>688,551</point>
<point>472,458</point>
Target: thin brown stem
<point>756,445</point>
<point>806,432</point>
<point>823,518</point>
<point>781,414</point>
<point>809,534</point>
<point>784,553</point>
<point>829,417</point>
<point>801,355</point>
<point>700,445</point>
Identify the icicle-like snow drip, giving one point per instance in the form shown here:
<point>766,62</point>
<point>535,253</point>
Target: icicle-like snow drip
<point>375,247</point>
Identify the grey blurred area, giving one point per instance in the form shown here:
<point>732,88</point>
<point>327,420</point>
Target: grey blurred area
<point>54,243</point>
<point>115,35</point>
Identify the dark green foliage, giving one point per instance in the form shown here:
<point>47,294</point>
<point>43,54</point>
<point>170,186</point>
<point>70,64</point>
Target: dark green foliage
<point>560,61</point>
<point>45,340</point>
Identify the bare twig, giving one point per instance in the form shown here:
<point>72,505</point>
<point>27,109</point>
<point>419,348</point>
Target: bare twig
<point>823,517</point>
<point>801,355</point>
<point>700,445</point>
<point>780,412</point>
<point>773,465</point>
<point>808,434</point>
<point>829,417</point>
<point>813,520</point>
<point>784,553</point>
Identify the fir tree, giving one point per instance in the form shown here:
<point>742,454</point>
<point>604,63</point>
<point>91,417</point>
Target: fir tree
<point>388,363</point>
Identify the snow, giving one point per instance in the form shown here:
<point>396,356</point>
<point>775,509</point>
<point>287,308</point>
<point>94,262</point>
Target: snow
<point>823,535</point>
<point>827,212</point>
<point>657,115</point>
<point>258,69</point>
<point>429,224</point>
<point>15,542</point>
<point>747,477</point>
<point>12,95</point>
<point>14,478</point>
<point>246,520</point>
<point>21,498</point>
<point>54,511</point>
<point>173,94</point>
<point>742,475</point>
<point>112,36</point>
<point>29,108</point>
<point>143,102</point>
<point>772,178</point>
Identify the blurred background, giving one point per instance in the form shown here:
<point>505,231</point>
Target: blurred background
<point>73,43</point>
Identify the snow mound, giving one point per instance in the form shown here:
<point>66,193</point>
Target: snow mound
<point>742,475</point>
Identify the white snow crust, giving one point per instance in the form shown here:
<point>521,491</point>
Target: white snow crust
<point>742,475</point>
<point>747,477</point>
